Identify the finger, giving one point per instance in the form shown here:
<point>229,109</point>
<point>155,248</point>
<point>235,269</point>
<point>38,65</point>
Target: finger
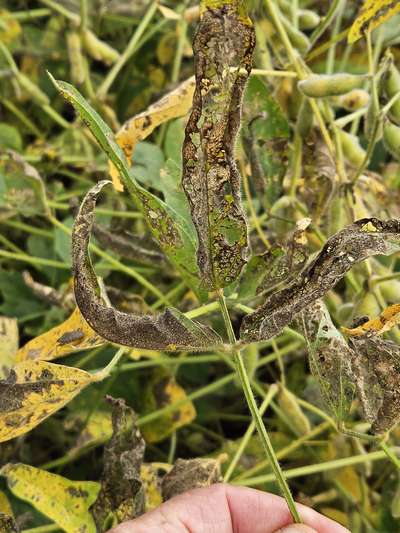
<point>224,509</point>
<point>297,528</point>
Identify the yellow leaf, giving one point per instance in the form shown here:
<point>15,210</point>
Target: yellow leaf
<point>335,514</point>
<point>174,104</point>
<point>5,506</point>
<point>152,485</point>
<point>389,318</point>
<point>71,336</point>
<point>65,502</point>
<point>33,391</point>
<point>8,344</point>
<point>372,14</point>
<point>97,430</point>
<point>10,27</point>
<point>162,391</point>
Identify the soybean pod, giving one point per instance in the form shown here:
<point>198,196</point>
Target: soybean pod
<point>323,85</point>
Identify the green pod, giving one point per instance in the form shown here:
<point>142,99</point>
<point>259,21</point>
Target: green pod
<point>390,290</point>
<point>391,86</point>
<point>308,20</point>
<point>98,49</point>
<point>305,119</point>
<point>354,100</point>
<point>35,92</point>
<point>391,139</point>
<point>75,57</point>
<point>288,403</point>
<point>297,38</point>
<point>367,306</point>
<point>322,85</point>
<point>352,150</point>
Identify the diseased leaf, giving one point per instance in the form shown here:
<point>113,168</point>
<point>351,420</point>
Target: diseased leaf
<point>33,391</point>
<point>372,14</point>
<point>5,506</point>
<point>122,494</point>
<point>377,374</point>
<point>8,344</point>
<point>151,481</point>
<point>98,428</point>
<point>223,47</point>
<point>170,330</point>
<point>63,501</point>
<point>330,359</point>
<point>21,188</point>
<point>188,474</point>
<point>7,524</point>
<point>71,336</point>
<point>174,104</point>
<point>356,242</point>
<point>173,233</point>
<point>389,318</point>
<point>163,390</point>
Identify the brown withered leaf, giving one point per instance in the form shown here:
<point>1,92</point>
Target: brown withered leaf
<point>377,375</point>
<point>7,524</point>
<point>354,243</point>
<point>121,496</point>
<point>223,47</point>
<point>389,318</point>
<point>170,330</point>
<point>188,474</point>
<point>330,359</point>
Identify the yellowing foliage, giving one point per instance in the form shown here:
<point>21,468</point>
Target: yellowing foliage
<point>372,14</point>
<point>389,318</point>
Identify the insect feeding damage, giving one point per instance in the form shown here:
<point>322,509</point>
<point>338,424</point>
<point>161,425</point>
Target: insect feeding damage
<point>223,48</point>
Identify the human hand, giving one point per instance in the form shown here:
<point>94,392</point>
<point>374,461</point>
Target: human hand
<point>228,509</point>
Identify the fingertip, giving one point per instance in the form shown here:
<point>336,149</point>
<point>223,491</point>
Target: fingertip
<point>296,528</point>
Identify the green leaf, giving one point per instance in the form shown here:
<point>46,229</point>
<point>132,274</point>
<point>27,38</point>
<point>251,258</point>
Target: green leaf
<point>166,225</point>
<point>10,137</point>
<point>65,502</point>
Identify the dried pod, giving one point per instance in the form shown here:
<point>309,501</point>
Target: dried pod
<point>354,243</point>
<point>223,48</point>
<point>170,330</point>
<point>322,85</point>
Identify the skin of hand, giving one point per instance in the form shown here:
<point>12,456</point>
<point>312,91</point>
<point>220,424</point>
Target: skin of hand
<point>225,508</point>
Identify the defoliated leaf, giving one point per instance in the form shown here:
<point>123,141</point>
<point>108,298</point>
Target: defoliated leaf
<point>188,474</point>
<point>330,359</point>
<point>8,344</point>
<point>389,318</point>
<point>354,243</point>
<point>170,330</point>
<point>223,48</point>
<point>33,391</point>
<point>63,501</point>
<point>171,231</point>
<point>372,14</point>
<point>163,390</point>
<point>122,495</point>
<point>71,336</point>
<point>21,187</point>
<point>174,104</point>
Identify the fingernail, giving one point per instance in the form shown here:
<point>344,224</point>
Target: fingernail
<point>296,528</point>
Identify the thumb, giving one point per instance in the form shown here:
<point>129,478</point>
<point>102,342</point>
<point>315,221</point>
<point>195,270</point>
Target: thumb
<point>296,528</point>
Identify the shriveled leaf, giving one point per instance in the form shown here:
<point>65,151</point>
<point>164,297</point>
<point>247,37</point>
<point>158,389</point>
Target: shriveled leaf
<point>372,14</point>
<point>170,330</point>
<point>21,188</point>
<point>7,524</point>
<point>152,486</point>
<point>9,339</point>
<point>389,318</point>
<point>161,391</point>
<point>71,336</point>
<point>330,359</point>
<point>63,501</point>
<point>174,104</point>
<point>173,233</point>
<point>33,391</point>
<point>122,495</point>
<point>377,373</point>
<point>188,474</point>
<point>223,48</point>
<point>354,243</point>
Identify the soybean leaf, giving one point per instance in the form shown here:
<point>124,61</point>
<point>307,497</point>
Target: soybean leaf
<point>330,359</point>
<point>163,390</point>
<point>71,336</point>
<point>10,137</point>
<point>21,188</point>
<point>152,485</point>
<point>377,374</point>
<point>188,474</point>
<point>63,501</point>
<point>372,14</point>
<point>9,339</point>
<point>354,243</point>
<point>172,232</point>
<point>33,391</point>
<point>5,505</point>
<point>389,318</point>
<point>170,330</point>
<point>7,524</point>
<point>122,494</point>
<point>223,48</point>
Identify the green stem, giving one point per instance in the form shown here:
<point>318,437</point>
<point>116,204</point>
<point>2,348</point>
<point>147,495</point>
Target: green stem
<point>42,529</point>
<point>258,421</point>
